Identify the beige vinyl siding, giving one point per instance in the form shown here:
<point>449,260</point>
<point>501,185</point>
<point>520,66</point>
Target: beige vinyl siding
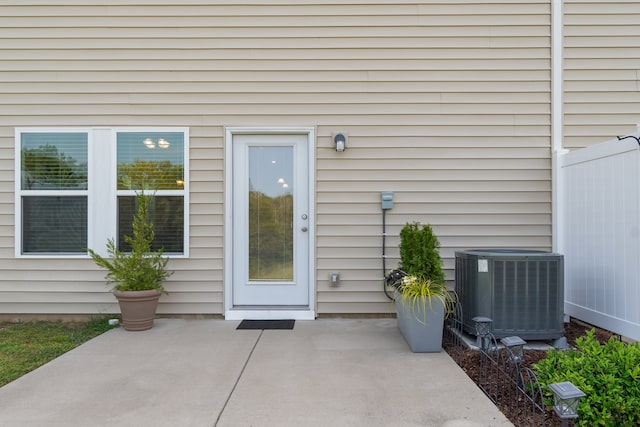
<point>445,103</point>
<point>473,161</point>
<point>602,70</point>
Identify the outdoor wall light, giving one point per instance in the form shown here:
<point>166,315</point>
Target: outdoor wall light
<point>340,141</point>
<point>515,347</point>
<point>483,328</point>
<point>566,398</point>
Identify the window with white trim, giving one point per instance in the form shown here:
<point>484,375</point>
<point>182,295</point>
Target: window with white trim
<point>76,188</point>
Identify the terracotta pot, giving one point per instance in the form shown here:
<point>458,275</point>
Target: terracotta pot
<point>138,308</point>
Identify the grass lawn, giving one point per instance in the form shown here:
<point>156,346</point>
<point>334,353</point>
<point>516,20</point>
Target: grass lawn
<point>26,346</point>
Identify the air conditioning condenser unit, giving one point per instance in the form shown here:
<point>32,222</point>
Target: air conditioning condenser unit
<point>521,290</point>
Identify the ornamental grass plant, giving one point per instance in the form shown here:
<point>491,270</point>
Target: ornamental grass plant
<point>418,294</point>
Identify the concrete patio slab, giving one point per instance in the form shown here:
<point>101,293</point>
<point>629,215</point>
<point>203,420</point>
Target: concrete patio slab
<point>339,372</point>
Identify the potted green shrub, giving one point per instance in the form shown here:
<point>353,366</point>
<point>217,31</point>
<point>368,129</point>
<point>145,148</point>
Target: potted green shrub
<point>137,275</point>
<point>420,252</point>
<point>421,295</point>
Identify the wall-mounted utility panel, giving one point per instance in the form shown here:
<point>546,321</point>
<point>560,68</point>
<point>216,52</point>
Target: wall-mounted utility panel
<point>387,199</point>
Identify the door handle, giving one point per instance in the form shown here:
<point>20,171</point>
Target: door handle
<point>304,229</point>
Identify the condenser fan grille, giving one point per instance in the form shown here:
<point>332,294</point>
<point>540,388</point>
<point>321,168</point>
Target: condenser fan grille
<point>522,291</point>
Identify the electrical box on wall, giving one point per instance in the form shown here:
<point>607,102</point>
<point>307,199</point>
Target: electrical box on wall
<point>334,278</point>
<point>387,199</point>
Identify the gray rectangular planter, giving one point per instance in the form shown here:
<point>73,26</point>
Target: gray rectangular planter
<point>422,333</point>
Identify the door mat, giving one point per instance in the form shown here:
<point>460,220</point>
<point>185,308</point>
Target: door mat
<point>266,324</point>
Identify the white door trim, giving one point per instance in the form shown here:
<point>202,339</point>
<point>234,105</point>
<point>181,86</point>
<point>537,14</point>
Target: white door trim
<point>301,313</point>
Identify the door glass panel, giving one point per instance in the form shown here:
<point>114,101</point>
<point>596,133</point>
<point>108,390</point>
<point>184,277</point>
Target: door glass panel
<point>271,213</point>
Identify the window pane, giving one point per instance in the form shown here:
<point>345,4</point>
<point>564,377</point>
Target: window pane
<point>150,160</point>
<point>54,224</point>
<point>167,215</point>
<point>54,161</point>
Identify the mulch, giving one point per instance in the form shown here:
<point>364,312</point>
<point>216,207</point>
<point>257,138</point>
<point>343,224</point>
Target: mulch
<point>469,360</point>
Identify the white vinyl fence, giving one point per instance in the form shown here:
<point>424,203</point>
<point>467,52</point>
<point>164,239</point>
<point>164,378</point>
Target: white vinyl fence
<point>599,234</point>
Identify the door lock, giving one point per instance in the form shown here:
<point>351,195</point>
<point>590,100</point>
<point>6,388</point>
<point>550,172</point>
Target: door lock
<point>304,229</point>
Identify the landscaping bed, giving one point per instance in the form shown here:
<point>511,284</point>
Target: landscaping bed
<point>469,361</point>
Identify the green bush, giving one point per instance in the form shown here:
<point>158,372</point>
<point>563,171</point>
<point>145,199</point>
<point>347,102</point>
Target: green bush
<point>609,374</point>
<point>141,269</point>
<point>419,252</point>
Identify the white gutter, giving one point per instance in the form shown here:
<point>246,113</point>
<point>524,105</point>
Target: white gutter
<point>557,122</point>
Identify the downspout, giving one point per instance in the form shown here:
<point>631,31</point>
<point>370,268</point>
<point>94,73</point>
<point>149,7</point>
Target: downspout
<point>557,123</point>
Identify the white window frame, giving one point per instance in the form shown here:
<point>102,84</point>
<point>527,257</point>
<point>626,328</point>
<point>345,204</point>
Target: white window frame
<point>102,190</point>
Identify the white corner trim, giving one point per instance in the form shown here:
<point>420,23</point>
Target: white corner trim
<point>557,121</point>
<point>557,74</point>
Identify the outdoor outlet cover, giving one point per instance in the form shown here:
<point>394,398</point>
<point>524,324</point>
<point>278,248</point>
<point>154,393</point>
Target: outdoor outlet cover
<point>334,278</point>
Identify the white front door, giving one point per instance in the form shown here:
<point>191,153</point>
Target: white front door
<point>270,221</point>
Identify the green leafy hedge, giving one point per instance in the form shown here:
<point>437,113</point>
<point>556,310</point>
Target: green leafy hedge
<point>419,252</point>
<point>609,374</point>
